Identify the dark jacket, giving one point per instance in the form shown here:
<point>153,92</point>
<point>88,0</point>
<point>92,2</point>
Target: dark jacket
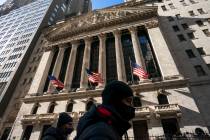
<point>54,134</point>
<point>101,123</point>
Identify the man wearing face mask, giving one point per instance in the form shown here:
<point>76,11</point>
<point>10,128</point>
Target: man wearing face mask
<point>109,121</point>
<point>63,129</point>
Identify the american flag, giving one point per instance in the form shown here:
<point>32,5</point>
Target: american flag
<point>139,71</point>
<point>94,77</point>
<point>56,83</point>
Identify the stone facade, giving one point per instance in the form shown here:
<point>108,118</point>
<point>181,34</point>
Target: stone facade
<point>103,41</point>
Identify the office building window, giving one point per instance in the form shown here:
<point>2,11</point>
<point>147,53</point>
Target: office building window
<point>181,37</point>
<point>199,70</point>
<point>192,1</point>
<point>201,51</point>
<point>190,53</point>
<point>206,32</point>
<point>170,18</point>
<point>171,5</point>
<point>164,8</point>
<point>201,11</point>
<point>178,16</point>
<point>191,35</point>
<point>175,28</point>
<point>183,3</point>
<point>185,26</point>
<point>199,23</point>
<point>191,13</point>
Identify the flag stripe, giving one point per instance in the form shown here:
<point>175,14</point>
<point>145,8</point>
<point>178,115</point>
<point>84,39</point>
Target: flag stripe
<point>56,82</point>
<point>138,71</point>
<point>94,77</point>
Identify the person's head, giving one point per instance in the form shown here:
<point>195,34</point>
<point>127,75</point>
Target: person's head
<point>65,123</point>
<point>120,96</point>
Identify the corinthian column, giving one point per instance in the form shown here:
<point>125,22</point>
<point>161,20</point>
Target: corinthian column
<point>70,67</point>
<point>119,56</point>
<point>86,64</point>
<point>102,58</point>
<point>57,67</point>
<point>40,77</point>
<point>137,48</point>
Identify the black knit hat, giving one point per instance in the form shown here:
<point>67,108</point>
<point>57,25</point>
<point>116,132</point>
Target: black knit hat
<point>115,91</point>
<point>64,118</point>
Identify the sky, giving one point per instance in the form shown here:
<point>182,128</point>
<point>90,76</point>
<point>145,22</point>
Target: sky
<point>97,4</point>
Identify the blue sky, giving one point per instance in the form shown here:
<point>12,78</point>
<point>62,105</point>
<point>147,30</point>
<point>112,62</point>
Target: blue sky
<point>97,4</point>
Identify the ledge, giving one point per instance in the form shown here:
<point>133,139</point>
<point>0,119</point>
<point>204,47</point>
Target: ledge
<point>173,82</point>
<point>167,110</point>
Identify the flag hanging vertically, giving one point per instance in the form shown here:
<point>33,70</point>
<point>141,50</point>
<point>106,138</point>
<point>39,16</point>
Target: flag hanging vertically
<point>139,71</point>
<point>55,82</point>
<point>94,77</point>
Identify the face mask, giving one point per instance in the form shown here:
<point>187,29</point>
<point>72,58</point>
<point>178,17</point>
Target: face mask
<point>126,112</point>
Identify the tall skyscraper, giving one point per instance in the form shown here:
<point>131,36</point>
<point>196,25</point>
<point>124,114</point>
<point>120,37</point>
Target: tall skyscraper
<point>105,41</point>
<point>20,36</point>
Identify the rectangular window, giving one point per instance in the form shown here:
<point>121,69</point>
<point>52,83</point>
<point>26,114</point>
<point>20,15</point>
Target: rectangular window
<point>192,1</point>
<point>201,51</point>
<point>191,13</point>
<point>185,26</point>
<point>175,28</point>
<point>170,18</point>
<point>201,11</point>
<point>190,53</point>
<point>178,16</point>
<point>171,5</point>
<point>206,32</point>
<point>181,37</point>
<point>199,23</point>
<point>191,35</point>
<point>183,3</point>
<point>199,70</point>
<point>164,8</point>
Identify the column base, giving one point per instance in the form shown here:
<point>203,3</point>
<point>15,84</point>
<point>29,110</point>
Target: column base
<point>81,89</point>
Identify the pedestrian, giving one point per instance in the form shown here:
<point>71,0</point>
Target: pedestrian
<point>63,129</point>
<point>109,121</point>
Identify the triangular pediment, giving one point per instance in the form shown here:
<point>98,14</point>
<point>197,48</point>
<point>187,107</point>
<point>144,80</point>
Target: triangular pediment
<point>105,17</point>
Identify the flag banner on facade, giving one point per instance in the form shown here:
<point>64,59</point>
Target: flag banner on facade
<point>56,83</point>
<point>94,77</point>
<point>139,71</point>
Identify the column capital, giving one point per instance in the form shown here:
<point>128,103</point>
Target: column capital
<point>88,39</point>
<point>117,32</point>
<point>132,29</point>
<point>102,36</point>
<point>152,24</point>
<point>62,45</point>
<point>75,42</point>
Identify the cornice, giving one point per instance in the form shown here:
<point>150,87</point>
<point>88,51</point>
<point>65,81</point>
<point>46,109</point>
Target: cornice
<point>174,82</point>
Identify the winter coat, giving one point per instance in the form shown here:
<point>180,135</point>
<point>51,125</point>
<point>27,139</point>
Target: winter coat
<point>54,134</point>
<point>101,123</point>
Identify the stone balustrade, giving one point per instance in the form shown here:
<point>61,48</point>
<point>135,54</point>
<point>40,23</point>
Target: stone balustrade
<point>142,112</point>
<point>167,110</point>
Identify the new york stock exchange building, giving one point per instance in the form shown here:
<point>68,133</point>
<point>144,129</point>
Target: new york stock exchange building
<point>105,41</point>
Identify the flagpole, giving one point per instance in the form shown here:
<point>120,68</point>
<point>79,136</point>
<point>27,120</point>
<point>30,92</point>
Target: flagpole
<point>131,71</point>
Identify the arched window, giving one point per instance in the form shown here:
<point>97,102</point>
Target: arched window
<point>89,105</point>
<point>51,107</point>
<point>137,102</point>
<point>69,107</point>
<point>162,99</point>
<point>35,108</point>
